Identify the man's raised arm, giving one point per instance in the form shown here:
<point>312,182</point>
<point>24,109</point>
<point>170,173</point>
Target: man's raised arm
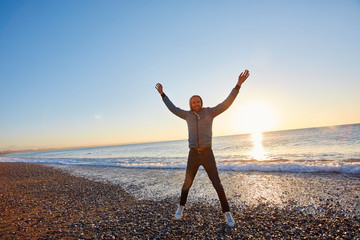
<point>220,108</point>
<point>175,110</point>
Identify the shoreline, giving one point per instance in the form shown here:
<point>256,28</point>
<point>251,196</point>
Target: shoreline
<point>311,192</point>
<point>40,201</point>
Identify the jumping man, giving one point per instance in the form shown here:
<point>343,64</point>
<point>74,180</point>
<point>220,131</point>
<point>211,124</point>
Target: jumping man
<point>199,121</point>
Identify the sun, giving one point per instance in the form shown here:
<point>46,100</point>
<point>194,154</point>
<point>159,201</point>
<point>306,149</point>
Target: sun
<point>253,117</point>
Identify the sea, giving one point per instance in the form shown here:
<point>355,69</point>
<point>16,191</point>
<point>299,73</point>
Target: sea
<point>333,149</point>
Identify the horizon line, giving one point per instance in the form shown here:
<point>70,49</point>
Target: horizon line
<point>40,149</point>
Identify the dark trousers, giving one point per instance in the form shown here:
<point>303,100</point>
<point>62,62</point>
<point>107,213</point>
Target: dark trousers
<point>207,160</point>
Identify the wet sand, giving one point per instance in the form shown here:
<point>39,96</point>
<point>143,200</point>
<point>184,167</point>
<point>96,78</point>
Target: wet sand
<point>41,202</point>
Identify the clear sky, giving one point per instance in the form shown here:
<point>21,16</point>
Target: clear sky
<point>77,73</point>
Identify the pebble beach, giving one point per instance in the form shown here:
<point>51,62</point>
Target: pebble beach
<point>44,202</point>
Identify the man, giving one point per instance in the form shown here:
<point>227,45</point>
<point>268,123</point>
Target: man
<point>199,121</point>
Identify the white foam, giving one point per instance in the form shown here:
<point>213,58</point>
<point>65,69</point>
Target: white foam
<point>294,167</point>
<point>304,166</point>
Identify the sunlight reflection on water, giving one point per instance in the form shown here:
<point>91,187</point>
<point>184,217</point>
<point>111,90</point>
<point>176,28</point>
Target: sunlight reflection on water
<point>257,152</point>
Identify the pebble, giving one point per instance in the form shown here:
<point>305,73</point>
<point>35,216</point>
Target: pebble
<point>56,205</point>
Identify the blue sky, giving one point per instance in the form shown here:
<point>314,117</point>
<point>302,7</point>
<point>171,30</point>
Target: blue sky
<point>76,73</point>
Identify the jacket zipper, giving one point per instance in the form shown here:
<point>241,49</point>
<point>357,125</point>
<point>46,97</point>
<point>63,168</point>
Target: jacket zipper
<point>197,129</point>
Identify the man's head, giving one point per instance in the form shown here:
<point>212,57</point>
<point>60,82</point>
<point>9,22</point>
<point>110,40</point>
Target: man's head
<point>196,103</point>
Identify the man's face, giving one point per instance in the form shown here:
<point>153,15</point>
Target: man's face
<point>195,103</point>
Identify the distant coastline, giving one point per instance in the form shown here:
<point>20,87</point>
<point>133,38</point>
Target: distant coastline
<point>27,150</point>
<point>5,152</point>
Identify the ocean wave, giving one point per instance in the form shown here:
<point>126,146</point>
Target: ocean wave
<point>296,167</point>
<point>348,166</point>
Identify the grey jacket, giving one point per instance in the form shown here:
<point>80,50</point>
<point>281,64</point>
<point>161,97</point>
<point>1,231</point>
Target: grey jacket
<point>200,123</point>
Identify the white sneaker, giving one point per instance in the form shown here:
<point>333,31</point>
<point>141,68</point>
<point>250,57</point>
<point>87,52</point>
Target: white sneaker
<point>229,219</point>
<point>179,212</point>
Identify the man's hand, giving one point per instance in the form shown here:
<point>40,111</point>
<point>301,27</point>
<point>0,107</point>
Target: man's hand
<point>243,76</point>
<point>159,87</point>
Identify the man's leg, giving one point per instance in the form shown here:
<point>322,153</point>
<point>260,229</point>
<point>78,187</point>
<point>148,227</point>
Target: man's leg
<point>192,167</point>
<point>208,161</point>
<point>209,164</point>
